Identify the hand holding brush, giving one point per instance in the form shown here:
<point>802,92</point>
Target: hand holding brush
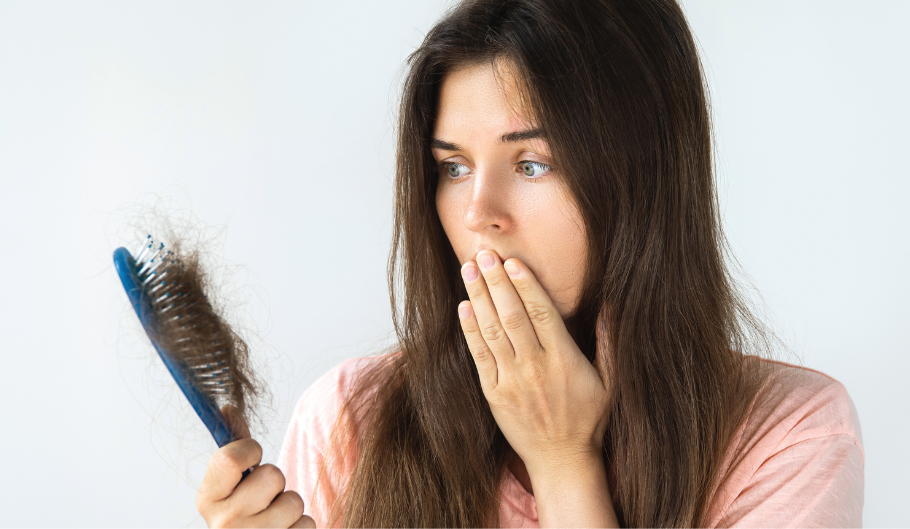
<point>210,363</point>
<point>259,500</point>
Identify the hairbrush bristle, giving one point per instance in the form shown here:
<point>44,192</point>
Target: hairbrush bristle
<point>188,327</point>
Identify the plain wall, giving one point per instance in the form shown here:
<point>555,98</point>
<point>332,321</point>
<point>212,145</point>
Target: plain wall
<point>274,120</point>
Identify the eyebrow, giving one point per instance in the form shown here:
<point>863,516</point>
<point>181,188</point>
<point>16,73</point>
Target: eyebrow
<point>520,135</point>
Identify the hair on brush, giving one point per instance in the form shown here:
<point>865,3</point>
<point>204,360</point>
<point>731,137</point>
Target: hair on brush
<point>170,292</point>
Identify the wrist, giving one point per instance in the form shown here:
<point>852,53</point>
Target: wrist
<point>573,493</point>
<point>567,470</point>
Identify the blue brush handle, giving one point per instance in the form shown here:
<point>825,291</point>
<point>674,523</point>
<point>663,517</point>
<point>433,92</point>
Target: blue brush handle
<point>205,407</point>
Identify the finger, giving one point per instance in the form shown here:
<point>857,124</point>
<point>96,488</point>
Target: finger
<point>225,468</point>
<point>485,312</point>
<point>257,491</point>
<point>236,422</point>
<point>480,352</point>
<point>286,509</point>
<point>509,306</point>
<point>544,317</point>
<point>304,522</point>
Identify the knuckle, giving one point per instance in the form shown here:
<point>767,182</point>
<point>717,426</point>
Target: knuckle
<point>295,502</point>
<point>491,331</point>
<point>236,455</point>
<point>494,280</point>
<point>532,372</point>
<point>231,512</point>
<point>523,288</point>
<point>512,321</point>
<point>480,353</point>
<point>470,329</point>
<point>202,505</point>
<point>256,449</point>
<point>226,458</point>
<point>499,397</point>
<point>272,477</point>
<point>560,368</point>
<point>222,519</point>
<point>539,314</point>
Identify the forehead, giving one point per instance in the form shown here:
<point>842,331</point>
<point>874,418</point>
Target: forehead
<point>480,97</point>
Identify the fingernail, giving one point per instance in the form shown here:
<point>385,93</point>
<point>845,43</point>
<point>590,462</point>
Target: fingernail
<point>464,309</point>
<point>511,269</point>
<point>485,260</point>
<point>470,272</point>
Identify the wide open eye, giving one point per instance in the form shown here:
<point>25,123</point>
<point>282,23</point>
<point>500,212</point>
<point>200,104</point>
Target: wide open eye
<point>533,169</point>
<point>455,170</point>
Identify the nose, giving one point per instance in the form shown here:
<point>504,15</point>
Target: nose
<point>489,205</point>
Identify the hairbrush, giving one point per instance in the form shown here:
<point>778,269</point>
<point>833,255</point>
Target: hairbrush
<point>207,359</point>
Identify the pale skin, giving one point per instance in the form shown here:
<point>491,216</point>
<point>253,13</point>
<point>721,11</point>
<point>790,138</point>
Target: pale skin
<point>522,244</point>
<point>259,500</point>
<point>505,213</point>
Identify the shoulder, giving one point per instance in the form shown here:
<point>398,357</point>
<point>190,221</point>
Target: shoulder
<point>318,407</point>
<point>307,449</point>
<point>324,396</point>
<point>798,457</point>
<point>797,404</point>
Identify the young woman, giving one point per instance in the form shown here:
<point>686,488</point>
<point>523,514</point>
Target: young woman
<point>572,349</point>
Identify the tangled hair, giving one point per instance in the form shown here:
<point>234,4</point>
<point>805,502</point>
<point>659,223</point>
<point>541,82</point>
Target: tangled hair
<point>200,337</point>
<point>617,88</point>
<point>213,295</point>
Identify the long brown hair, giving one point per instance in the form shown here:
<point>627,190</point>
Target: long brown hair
<point>618,90</point>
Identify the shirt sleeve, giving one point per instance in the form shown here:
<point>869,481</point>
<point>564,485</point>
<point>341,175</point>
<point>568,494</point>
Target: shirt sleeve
<point>799,458</point>
<point>306,444</point>
<point>817,482</point>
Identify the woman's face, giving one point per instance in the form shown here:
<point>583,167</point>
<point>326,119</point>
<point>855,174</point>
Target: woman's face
<point>496,190</point>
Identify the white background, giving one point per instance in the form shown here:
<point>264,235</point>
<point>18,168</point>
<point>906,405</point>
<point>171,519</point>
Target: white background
<point>274,120</point>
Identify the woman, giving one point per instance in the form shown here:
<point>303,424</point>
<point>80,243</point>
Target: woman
<point>571,345</point>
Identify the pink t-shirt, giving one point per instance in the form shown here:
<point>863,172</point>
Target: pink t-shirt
<point>796,461</point>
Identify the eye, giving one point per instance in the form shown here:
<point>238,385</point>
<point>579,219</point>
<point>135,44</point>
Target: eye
<point>533,169</point>
<point>453,169</point>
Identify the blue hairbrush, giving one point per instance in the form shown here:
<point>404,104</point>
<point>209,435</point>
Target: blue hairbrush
<point>207,359</point>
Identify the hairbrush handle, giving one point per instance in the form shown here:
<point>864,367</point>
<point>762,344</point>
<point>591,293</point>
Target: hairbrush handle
<point>204,406</point>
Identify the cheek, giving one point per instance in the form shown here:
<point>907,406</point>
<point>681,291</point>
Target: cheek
<point>449,212</point>
<point>560,244</point>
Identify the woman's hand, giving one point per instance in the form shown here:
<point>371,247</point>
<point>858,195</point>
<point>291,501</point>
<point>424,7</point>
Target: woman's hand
<point>549,401</point>
<point>260,500</point>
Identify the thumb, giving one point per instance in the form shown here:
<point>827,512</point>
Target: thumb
<point>235,422</point>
